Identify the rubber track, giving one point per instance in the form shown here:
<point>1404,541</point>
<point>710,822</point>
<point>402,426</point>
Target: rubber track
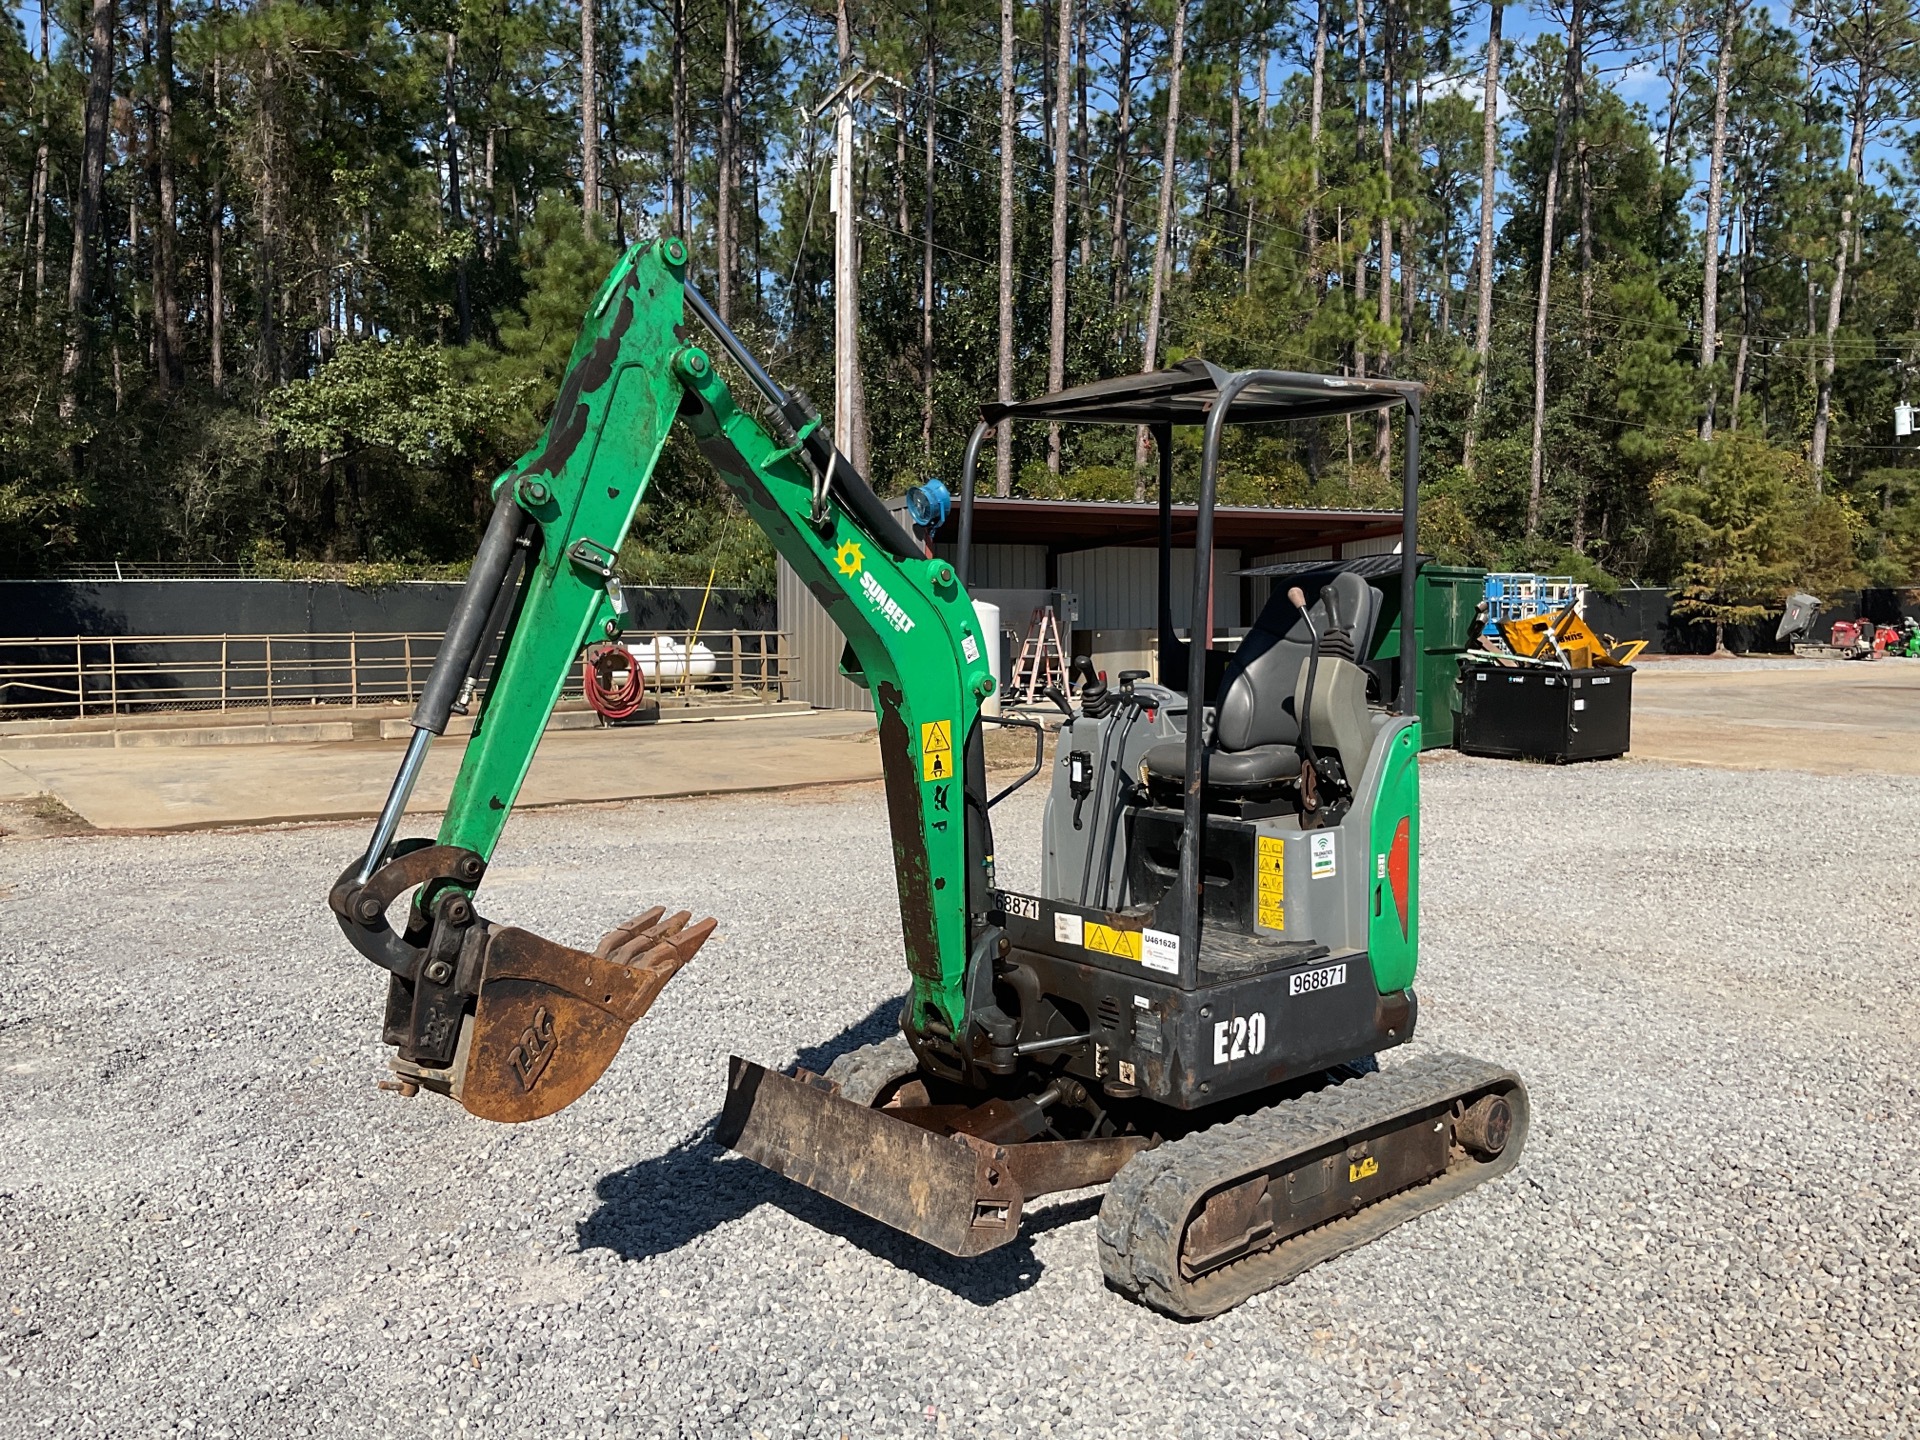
<point>1150,1202</point>
<point>862,1074</point>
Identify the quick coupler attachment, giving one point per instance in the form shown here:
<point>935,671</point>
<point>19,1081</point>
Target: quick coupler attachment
<point>513,1026</point>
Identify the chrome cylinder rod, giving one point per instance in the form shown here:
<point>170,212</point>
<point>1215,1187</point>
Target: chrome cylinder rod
<point>390,813</point>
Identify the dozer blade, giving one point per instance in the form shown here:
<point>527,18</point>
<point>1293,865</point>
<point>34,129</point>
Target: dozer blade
<point>946,1190</point>
<point>956,1191</point>
<point>549,1019</point>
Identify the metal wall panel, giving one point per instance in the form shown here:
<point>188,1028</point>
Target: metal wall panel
<point>814,661</point>
<point>1119,588</point>
<point>1003,567</point>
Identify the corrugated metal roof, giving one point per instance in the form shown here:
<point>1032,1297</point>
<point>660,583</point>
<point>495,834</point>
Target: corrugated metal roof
<point>1082,524</point>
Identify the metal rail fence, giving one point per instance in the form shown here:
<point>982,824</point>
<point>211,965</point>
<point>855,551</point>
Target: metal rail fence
<point>87,675</point>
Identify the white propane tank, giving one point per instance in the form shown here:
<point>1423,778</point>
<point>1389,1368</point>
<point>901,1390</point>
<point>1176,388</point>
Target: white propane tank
<point>989,617</point>
<point>662,658</point>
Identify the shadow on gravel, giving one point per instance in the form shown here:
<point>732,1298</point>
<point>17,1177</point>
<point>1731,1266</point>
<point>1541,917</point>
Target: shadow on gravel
<point>659,1205</point>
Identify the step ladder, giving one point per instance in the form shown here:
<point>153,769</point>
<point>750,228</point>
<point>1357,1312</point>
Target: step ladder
<point>1043,660</point>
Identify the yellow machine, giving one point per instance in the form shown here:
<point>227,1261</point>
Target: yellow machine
<point>1562,635</point>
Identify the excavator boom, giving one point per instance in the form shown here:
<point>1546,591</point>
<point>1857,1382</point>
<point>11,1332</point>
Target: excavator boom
<point>515,1026</point>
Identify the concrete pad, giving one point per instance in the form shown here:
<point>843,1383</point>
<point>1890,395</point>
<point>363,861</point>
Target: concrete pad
<point>161,789</point>
<point>17,784</point>
<point>1842,717</point>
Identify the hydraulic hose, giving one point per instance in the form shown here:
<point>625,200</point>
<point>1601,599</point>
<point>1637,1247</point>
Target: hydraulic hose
<point>612,702</point>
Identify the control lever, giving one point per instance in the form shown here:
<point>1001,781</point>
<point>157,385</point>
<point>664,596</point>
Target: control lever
<point>1052,692</point>
<point>1309,770</point>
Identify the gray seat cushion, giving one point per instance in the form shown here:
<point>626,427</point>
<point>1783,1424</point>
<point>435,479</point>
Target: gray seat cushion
<point>1228,769</point>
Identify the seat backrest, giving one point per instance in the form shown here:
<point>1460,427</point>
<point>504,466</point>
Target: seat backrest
<point>1256,704</point>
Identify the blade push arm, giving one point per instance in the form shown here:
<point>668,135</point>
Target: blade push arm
<point>568,505</point>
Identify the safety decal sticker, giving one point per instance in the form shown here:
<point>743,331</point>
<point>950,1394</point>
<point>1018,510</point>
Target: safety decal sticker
<point>1358,1170</point>
<point>1160,951</point>
<point>1067,929</point>
<point>849,557</point>
<point>1270,882</point>
<point>1323,853</point>
<point>970,648</point>
<point>1105,940</point>
<point>936,750</point>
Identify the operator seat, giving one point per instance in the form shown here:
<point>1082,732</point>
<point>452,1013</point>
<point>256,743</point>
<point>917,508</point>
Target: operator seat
<point>1253,748</point>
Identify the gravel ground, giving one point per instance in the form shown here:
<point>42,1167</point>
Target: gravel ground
<point>212,1223</point>
<point>1739,664</point>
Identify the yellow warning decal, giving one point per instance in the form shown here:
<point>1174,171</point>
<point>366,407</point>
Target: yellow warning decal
<point>936,750</point>
<point>1105,940</point>
<point>1270,882</point>
<point>1359,1170</point>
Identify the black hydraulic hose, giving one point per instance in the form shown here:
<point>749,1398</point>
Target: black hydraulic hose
<point>1115,809</point>
<point>468,627</point>
<point>798,413</point>
<point>504,604</point>
<point>1093,822</point>
<point>1299,598</point>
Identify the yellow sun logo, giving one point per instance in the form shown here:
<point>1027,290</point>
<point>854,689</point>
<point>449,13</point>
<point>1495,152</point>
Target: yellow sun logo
<point>849,558</point>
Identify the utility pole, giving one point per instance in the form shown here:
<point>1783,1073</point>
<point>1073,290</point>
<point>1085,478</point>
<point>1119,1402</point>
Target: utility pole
<point>846,261</point>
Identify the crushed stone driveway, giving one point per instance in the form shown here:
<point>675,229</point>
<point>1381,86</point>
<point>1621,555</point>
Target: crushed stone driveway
<point>212,1223</point>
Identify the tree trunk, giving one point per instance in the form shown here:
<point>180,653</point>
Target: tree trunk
<point>1383,427</point>
<point>42,173</point>
<point>1081,157</point>
<point>1489,177</point>
<point>456,211</point>
<point>726,205</point>
<point>1163,224</point>
<point>677,160</point>
<point>856,389</point>
<point>1003,450</point>
<point>1316,118</point>
<point>1550,203</point>
<point>1233,164</point>
<point>93,172</point>
<point>1057,315</point>
<point>166,274</point>
<point>216,232</point>
<point>589,114</point>
<point>926,247</point>
<point>1122,151</point>
<point>1716,178</point>
<point>1359,250</point>
<point>1746,319</point>
<point>1823,405</point>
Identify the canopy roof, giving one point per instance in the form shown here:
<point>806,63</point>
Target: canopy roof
<point>1185,394</point>
<point>1067,525</point>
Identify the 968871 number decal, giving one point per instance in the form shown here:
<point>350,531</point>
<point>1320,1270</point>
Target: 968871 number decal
<point>1325,978</point>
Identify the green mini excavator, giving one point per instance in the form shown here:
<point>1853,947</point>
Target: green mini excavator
<point>1224,937</point>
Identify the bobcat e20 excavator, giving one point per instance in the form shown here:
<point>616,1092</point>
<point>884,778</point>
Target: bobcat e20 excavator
<point>1224,937</point>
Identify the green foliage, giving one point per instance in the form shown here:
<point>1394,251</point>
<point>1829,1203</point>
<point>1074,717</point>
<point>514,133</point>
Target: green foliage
<point>1733,505</point>
<point>397,399</point>
<point>386,344</point>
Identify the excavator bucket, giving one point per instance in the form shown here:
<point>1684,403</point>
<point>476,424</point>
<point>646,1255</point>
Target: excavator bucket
<point>549,1019</point>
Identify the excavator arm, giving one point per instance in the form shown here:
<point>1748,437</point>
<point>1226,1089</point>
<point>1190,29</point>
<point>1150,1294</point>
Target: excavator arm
<point>516,1026</point>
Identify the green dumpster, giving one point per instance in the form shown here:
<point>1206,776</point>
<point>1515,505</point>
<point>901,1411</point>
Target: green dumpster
<point>1446,597</point>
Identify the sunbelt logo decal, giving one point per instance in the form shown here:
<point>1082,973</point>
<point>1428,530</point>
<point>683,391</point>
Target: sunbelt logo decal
<point>883,602</point>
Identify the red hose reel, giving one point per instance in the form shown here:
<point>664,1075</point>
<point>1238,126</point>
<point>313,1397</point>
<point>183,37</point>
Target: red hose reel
<point>613,698</point>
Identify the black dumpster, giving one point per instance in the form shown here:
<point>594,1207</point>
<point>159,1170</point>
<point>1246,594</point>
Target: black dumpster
<point>1542,713</point>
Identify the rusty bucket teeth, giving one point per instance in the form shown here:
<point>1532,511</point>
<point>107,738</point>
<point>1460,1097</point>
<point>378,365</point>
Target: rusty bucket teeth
<point>550,1019</point>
